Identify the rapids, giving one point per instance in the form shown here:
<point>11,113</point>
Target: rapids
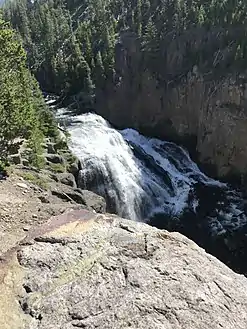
<point>144,177</point>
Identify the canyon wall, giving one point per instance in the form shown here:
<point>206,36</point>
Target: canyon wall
<point>204,112</point>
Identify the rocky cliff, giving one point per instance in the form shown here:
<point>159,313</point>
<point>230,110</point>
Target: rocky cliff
<point>86,270</point>
<point>205,110</point>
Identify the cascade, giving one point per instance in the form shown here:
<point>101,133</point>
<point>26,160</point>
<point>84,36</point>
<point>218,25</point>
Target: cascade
<point>155,181</point>
<point>143,177</point>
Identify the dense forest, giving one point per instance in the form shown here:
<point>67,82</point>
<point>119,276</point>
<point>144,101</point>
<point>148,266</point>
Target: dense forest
<point>23,113</point>
<point>174,69</point>
<point>71,44</point>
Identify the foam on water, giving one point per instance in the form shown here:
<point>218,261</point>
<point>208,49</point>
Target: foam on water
<point>142,176</point>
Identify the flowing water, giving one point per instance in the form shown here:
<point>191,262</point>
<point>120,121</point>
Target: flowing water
<point>141,177</point>
<point>156,181</point>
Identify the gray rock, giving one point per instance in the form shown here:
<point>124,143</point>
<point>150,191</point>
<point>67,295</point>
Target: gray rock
<point>93,201</point>
<point>62,144</point>
<point>74,168</point>
<point>89,199</point>
<point>69,195</point>
<point>15,159</point>
<point>44,198</point>
<point>22,185</point>
<point>55,158</point>
<point>100,271</point>
<point>25,162</point>
<point>66,178</point>
<point>51,148</point>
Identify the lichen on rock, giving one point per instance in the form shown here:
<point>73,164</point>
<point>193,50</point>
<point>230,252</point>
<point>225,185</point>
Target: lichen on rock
<point>88,270</point>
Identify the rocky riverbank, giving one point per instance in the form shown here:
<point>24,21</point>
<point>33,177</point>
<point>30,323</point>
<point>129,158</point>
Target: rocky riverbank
<point>63,264</point>
<point>29,196</point>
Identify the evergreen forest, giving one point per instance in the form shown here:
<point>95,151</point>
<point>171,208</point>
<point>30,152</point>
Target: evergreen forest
<point>70,44</point>
<point>23,113</point>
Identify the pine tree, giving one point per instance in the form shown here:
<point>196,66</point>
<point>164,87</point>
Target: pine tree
<point>99,72</point>
<point>145,13</point>
<point>138,18</point>
<point>64,38</point>
<point>149,36</point>
<point>85,75</point>
<point>21,105</point>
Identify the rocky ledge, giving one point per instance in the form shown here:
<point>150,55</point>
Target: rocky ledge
<point>88,270</point>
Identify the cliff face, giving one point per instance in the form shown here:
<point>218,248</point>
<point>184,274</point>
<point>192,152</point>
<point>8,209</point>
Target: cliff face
<point>204,112</point>
<point>85,270</point>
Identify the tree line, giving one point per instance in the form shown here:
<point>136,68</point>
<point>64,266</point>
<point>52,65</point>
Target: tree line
<point>23,113</point>
<point>71,44</point>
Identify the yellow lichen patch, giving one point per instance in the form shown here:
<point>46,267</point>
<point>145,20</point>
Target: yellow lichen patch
<point>76,270</point>
<point>70,229</point>
<point>11,275</point>
<point>79,268</point>
<point>67,274</point>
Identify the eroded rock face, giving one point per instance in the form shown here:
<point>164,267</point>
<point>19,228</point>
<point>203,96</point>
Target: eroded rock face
<point>79,196</point>
<point>204,113</point>
<point>85,270</point>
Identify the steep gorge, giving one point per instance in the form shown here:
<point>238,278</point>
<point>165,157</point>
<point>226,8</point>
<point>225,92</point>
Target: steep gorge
<point>204,113</point>
<point>169,69</point>
<point>174,70</point>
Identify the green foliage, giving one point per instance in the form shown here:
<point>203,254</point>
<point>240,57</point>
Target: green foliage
<point>3,165</point>
<point>16,108</point>
<point>62,144</point>
<point>22,109</point>
<point>34,178</point>
<point>56,167</point>
<point>36,158</point>
<point>71,44</point>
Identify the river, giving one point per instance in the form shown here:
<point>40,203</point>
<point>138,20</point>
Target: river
<point>146,179</point>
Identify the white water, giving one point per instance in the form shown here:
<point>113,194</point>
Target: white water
<point>140,176</point>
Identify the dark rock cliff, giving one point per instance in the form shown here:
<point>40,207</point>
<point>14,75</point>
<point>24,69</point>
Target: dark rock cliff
<point>203,111</point>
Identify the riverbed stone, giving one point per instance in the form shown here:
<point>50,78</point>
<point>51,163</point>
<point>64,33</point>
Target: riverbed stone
<point>86,198</point>
<point>51,148</point>
<point>93,201</point>
<point>74,168</point>
<point>25,162</point>
<point>68,195</point>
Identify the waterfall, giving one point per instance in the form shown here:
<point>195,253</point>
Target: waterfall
<point>143,177</point>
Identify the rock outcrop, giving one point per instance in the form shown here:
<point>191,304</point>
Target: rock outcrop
<point>79,196</point>
<point>85,270</point>
<point>66,178</point>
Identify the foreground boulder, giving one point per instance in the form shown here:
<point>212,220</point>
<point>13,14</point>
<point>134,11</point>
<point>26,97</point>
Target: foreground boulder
<point>85,270</point>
